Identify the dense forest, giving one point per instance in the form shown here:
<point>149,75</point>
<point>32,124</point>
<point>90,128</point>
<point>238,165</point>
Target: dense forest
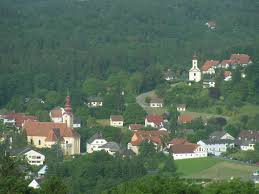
<point>56,45</point>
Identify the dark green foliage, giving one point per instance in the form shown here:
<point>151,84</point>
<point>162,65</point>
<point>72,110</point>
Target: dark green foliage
<point>134,113</point>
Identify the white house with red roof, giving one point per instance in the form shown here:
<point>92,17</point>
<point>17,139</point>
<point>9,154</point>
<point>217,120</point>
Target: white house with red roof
<point>56,115</point>
<point>195,72</point>
<point>116,121</point>
<point>46,134</point>
<point>17,119</point>
<point>156,102</point>
<point>155,121</point>
<point>155,137</point>
<point>209,67</point>
<point>227,75</point>
<point>240,59</point>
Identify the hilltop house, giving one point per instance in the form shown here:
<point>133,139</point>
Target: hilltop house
<point>195,72</point>
<point>46,134</point>
<point>181,107</point>
<point>155,121</point>
<point>94,102</point>
<point>209,67</point>
<point>154,137</point>
<point>116,121</point>
<point>182,149</point>
<point>156,102</point>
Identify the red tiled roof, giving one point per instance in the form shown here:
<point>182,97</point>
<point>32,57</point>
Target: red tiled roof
<point>56,112</point>
<point>227,73</point>
<point>240,59</point>
<point>136,126</point>
<point>249,135</point>
<point>35,128</point>
<point>186,118</point>
<point>151,136</point>
<point>183,148</point>
<point>225,62</point>
<point>20,118</point>
<point>116,118</point>
<point>155,118</point>
<point>178,141</point>
<point>208,64</point>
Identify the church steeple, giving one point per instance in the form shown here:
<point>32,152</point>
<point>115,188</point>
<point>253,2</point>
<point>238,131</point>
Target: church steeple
<point>68,115</point>
<point>194,62</point>
<point>68,107</point>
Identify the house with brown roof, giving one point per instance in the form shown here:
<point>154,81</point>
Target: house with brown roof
<point>17,119</point>
<point>209,67</point>
<point>156,102</point>
<point>181,107</point>
<point>227,76</point>
<point>46,134</point>
<point>185,118</point>
<point>249,135</point>
<point>135,127</point>
<point>240,59</point>
<point>155,121</point>
<point>155,137</point>
<point>225,64</point>
<point>116,121</point>
<point>56,114</point>
<point>211,24</point>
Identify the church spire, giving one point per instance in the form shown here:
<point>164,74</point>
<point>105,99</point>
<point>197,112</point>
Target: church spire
<point>68,108</point>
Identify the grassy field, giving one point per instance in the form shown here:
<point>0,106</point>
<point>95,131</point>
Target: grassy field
<point>213,168</point>
<point>103,122</point>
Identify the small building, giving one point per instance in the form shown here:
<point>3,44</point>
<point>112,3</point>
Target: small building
<point>211,24</point>
<point>95,142</point>
<point>17,119</point>
<point>135,127</point>
<point>169,75</point>
<point>221,135</point>
<point>194,72</point>
<point>240,59</point>
<point>154,137</point>
<point>155,121</point>
<point>245,145</point>
<point>94,102</point>
<point>111,148</point>
<point>42,172</point>
<point>185,118</point>
<point>216,146</point>
<point>225,64</point>
<point>156,102</point>
<point>76,122</point>
<point>187,151</point>
<point>227,76</point>
<point>181,107</point>
<point>34,184</point>
<point>209,67</point>
<point>116,121</point>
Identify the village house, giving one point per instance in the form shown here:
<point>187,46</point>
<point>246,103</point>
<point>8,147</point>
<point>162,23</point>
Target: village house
<point>211,24</point>
<point>135,127</point>
<point>31,156</point>
<point>182,149</point>
<point>249,135</point>
<point>34,184</point>
<point>116,121</point>
<point>17,119</point>
<point>169,75</point>
<point>156,102</point>
<point>209,67</point>
<point>245,145</point>
<point>227,76</point>
<point>185,118</point>
<point>46,134</point>
<point>216,146</point>
<point>95,142</point>
<point>221,135</point>
<point>194,72</point>
<point>181,107</point>
<point>94,102</point>
<point>240,59</point>
<point>155,137</point>
<point>111,148</point>
<point>154,121</point>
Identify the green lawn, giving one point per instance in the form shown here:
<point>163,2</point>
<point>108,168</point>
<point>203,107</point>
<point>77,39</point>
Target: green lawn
<point>213,168</point>
<point>103,122</point>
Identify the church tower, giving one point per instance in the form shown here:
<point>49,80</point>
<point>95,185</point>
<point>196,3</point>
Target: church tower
<point>195,72</point>
<point>68,115</point>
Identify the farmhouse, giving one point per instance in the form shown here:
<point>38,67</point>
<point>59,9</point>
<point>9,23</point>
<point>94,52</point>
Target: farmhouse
<point>116,121</point>
<point>209,67</point>
<point>31,156</point>
<point>154,137</point>
<point>155,121</point>
<point>46,134</point>
<point>95,142</point>
<point>156,102</point>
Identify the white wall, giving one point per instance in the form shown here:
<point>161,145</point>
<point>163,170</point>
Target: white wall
<point>34,158</point>
<point>116,123</point>
<point>94,146</point>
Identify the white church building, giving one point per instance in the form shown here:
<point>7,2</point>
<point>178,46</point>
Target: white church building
<point>194,72</point>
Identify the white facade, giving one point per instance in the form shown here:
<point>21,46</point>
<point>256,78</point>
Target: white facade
<point>210,71</point>
<point>94,104</point>
<point>181,109</point>
<point>156,105</point>
<point>216,148</point>
<point>76,125</point>
<point>247,147</point>
<point>116,123</point>
<point>199,152</point>
<point>34,158</point>
<point>34,184</point>
<point>195,72</point>
<point>94,146</point>
<point>209,84</point>
<point>152,124</point>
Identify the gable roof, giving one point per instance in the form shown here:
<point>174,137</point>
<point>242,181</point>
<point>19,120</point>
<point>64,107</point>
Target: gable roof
<point>185,118</point>
<point>49,130</point>
<point>178,141</point>
<point>116,118</point>
<point>136,126</point>
<point>217,134</point>
<point>94,99</point>
<point>181,105</point>
<point>183,148</point>
<point>240,58</point>
<point>249,135</point>
<point>225,62</point>
<point>113,146</point>
<point>208,64</point>
<point>20,118</point>
<point>156,100</point>
<point>150,136</point>
<point>157,119</point>
<point>97,135</point>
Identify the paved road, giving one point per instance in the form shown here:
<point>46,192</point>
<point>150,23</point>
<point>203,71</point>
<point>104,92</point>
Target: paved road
<point>141,98</point>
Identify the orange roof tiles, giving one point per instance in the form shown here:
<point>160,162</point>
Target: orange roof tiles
<point>155,119</point>
<point>178,141</point>
<point>56,112</point>
<point>208,64</point>
<point>240,59</point>
<point>183,148</point>
<point>186,118</point>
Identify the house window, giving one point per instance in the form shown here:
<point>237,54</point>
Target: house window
<point>66,142</point>
<point>31,141</point>
<point>194,74</point>
<point>39,142</point>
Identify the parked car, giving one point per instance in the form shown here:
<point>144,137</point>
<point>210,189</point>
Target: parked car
<point>256,173</point>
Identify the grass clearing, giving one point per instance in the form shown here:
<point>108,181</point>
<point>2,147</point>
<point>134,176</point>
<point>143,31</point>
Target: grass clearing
<point>103,122</point>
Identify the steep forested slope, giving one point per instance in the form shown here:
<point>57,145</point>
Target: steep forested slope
<point>57,44</point>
